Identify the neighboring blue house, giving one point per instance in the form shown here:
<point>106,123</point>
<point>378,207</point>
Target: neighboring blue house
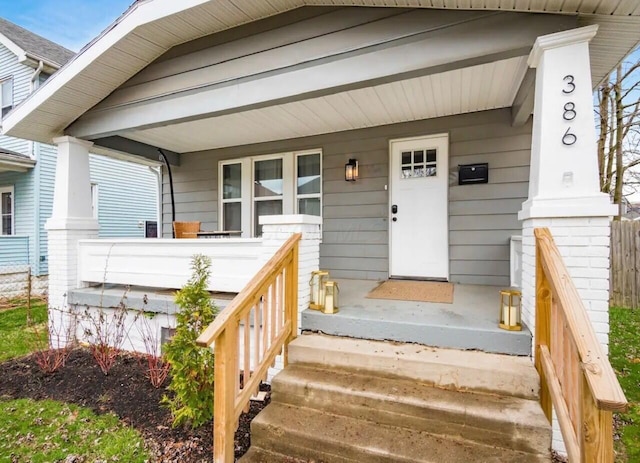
<point>125,194</point>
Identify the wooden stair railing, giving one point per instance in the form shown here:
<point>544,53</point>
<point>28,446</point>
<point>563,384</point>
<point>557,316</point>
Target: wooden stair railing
<point>575,373</point>
<point>270,302</point>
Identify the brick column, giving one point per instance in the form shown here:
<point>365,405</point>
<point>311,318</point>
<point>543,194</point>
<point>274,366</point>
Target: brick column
<point>71,220</point>
<point>564,193</point>
<point>276,229</point>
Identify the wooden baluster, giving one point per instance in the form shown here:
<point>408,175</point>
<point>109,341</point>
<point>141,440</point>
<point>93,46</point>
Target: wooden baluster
<point>246,372</point>
<point>275,328</point>
<point>225,370</point>
<point>279,302</point>
<point>294,294</point>
<point>256,336</point>
<point>265,325</point>
<point>595,428</point>
<point>543,328</point>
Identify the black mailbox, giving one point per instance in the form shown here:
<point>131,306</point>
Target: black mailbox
<point>473,173</point>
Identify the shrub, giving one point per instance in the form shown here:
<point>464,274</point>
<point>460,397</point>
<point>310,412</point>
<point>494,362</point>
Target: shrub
<point>191,366</point>
<point>153,363</point>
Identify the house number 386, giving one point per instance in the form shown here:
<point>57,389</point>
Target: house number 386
<point>569,113</point>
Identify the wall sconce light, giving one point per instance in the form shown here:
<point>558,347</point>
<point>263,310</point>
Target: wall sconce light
<point>351,170</point>
<point>510,310</point>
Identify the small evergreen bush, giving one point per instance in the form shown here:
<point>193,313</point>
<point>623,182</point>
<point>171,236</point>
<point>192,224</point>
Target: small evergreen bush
<point>192,366</point>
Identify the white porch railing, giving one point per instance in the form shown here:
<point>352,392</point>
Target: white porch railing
<point>166,263</point>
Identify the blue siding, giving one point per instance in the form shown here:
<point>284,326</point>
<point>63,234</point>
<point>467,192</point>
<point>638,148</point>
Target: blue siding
<point>24,223</point>
<point>9,66</point>
<point>14,250</point>
<point>127,196</point>
<point>46,157</point>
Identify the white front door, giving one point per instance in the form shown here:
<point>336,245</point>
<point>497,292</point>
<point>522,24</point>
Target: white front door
<point>419,236</point>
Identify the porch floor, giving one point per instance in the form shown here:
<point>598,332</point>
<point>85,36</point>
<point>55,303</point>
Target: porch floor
<point>470,322</point>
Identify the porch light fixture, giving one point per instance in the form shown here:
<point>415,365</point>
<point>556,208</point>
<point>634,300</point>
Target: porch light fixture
<point>510,310</point>
<point>317,283</point>
<point>351,170</point>
<point>330,297</point>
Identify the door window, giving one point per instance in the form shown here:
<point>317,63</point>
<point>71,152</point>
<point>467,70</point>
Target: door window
<point>419,163</point>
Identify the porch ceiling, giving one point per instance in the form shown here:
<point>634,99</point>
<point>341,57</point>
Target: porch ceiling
<point>151,27</point>
<point>483,87</point>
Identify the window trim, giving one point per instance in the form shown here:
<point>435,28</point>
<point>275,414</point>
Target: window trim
<point>9,189</point>
<point>248,199</point>
<point>298,196</point>
<point>2,105</point>
<point>95,200</point>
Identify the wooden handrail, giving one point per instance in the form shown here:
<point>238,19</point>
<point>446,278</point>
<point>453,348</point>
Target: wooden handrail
<point>575,373</point>
<point>269,302</point>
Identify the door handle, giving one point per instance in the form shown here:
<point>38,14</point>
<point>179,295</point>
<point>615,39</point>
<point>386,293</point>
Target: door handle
<point>394,209</point>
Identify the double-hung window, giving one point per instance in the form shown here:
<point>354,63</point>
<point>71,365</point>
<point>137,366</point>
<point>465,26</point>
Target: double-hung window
<point>7,221</point>
<point>6,95</point>
<point>285,183</point>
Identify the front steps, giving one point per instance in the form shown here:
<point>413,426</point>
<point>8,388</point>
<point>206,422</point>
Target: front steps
<point>347,400</point>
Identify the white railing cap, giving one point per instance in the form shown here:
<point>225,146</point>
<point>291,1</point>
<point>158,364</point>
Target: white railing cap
<point>292,219</point>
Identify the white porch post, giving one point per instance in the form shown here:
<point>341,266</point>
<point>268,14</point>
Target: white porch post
<point>564,192</point>
<point>276,229</point>
<point>71,220</point>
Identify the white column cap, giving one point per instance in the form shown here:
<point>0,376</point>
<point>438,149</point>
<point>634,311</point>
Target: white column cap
<point>560,39</point>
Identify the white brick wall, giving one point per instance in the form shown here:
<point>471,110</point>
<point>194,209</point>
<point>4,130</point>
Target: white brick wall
<point>63,275</point>
<point>584,245</point>
<point>274,235</point>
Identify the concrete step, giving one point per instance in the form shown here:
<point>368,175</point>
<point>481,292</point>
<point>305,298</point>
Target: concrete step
<point>501,421</point>
<point>309,434</point>
<point>444,368</point>
<point>257,455</point>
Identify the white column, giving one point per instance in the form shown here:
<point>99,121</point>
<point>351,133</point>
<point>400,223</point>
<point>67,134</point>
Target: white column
<point>564,192</point>
<point>71,220</point>
<point>276,229</point>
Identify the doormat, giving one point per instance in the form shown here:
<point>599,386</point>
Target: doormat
<point>421,291</point>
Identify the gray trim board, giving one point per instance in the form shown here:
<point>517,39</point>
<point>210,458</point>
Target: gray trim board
<point>137,148</point>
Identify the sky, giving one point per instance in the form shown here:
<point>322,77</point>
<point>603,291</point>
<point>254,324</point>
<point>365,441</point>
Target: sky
<point>70,23</point>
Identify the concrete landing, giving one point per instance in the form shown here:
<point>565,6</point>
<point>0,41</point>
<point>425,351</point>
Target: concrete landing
<point>471,322</point>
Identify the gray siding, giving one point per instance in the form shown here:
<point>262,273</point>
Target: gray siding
<point>355,230</point>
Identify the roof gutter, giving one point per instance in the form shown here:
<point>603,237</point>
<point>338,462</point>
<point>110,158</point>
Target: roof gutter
<point>34,61</point>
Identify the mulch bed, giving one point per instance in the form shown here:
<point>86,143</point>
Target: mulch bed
<point>127,393</point>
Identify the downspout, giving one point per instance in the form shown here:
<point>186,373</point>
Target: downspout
<point>35,154</point>
<point>173,200</point>
<point>158,173</point>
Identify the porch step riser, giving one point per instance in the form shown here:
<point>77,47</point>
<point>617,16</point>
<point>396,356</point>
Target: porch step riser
<point>448,369</point>
<point>317,436</point>
<point>454,337</point>
<point>506,422</point>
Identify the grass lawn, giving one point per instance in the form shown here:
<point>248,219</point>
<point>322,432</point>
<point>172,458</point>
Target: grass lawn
<point>624,352</point>
<point>16,338</point>
<point>47,431</point>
